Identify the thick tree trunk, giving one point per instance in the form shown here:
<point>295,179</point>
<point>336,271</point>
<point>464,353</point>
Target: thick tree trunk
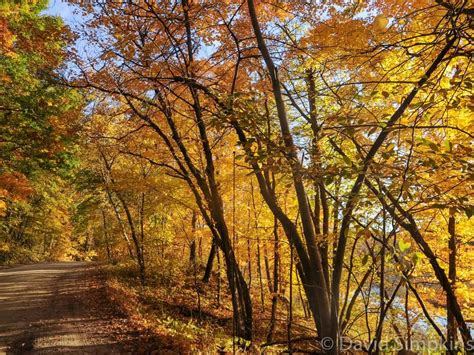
<point>241,301</point>
<point>314,273</point>
<point>242,305</point>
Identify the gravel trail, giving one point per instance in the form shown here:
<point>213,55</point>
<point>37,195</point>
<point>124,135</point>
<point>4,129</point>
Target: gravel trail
<point>62,308</point>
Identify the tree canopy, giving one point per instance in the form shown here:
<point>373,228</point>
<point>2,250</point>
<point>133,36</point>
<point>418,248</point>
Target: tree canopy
<point>314,158</point>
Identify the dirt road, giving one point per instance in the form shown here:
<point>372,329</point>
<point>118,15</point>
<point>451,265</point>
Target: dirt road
<point>62,308</point>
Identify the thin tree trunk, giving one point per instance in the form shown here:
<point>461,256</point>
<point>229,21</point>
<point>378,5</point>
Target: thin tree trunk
<point>192,252</point>
<point>302,300</point>
<point>106,236</point>
<point>451,326</point>
<point>141,214</point>
<point>120,222</point>
<point>259,271</point>
<point>218,278</point>
<point>210,263</point>
<point>356,188</point>
<point>267,272</point>
<point>407,221</point>
<point>197,287</point>
<point>136,242</point>
<point>290,305</point>
<point>382,279</point>
<point>192,246</point>
<point>276,258</point>
<point>249,263</point>
<point>407,319</point>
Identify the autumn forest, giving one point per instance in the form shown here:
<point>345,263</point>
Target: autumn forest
<point>249,176</point>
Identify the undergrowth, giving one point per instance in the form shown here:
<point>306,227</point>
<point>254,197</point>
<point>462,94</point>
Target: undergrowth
<point>169,306</point>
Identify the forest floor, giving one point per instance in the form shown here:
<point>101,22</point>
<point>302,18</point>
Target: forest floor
<point>64,307</point>
<point>196,317</point>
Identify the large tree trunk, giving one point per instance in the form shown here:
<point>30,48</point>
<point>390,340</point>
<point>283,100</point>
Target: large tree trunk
<point>241,301</point>
<point>314,278</point>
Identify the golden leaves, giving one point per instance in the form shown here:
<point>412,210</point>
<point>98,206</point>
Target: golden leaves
<point>381,22</point>
<point>3,208</point>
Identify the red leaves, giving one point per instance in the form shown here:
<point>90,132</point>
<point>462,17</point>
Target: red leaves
<point>14,186</point>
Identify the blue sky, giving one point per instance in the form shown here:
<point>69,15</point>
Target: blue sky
<point>63,9</point>
<point>73,19</point>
